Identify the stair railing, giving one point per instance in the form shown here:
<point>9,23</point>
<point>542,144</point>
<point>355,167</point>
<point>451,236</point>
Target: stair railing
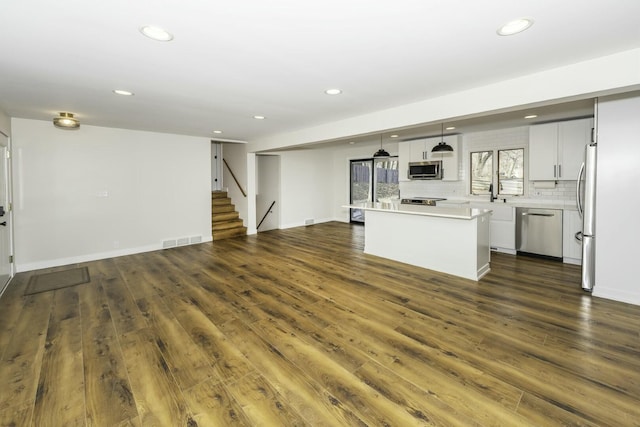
<point>234,178</point>
<point>265,215</point>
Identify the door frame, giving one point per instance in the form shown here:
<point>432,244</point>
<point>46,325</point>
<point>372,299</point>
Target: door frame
<point>8,209</point>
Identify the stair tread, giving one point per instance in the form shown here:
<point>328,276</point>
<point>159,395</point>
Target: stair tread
<point>225,234</point>
<point>225,220</point>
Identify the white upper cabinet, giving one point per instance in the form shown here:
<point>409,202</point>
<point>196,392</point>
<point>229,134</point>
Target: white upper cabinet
<point>404,157</point>
<point>556,150</point>
<point>420,150</point>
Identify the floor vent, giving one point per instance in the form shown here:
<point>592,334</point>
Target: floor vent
<point>183,241</point>
<point>308,221</point>
<point>168,244</point>
<point>195,239</point>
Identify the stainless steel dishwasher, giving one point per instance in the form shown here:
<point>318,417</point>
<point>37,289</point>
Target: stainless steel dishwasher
<point>539,231</point>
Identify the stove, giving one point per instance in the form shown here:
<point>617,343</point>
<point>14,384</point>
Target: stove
<point>425,201</point>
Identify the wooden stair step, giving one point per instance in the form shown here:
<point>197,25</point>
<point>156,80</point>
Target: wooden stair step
<point>224,216</point>
<point>218,194</point>
<point>225,220</point>
<point>222,209</point>
<point>225,225</point>
<point>220,201</point>
<point>232,232</point>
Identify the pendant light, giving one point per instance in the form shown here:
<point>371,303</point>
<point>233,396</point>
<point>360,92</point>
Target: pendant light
<point>442,146</point>
<point>381,152</point>
<point>66,121</point>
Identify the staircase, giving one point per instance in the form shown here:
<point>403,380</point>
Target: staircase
<point>225,221</point>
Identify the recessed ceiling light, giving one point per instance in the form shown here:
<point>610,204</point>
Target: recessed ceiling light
<point>217,131</point>
<point>259,117</point>
<point>531,116</point>
<point>351,142</point>
<point>393,136</point>
<point>156,33</point>
<point>450,128</point>
<point>122,92</point>
<point>333,91</point>
<point>514,27</point>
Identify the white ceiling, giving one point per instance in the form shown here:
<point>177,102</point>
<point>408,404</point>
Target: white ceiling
<point>231,60</point>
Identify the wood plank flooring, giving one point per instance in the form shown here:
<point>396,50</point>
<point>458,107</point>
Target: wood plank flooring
<point>298,327</point>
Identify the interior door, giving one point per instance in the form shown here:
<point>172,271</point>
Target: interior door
<point>6,265</point>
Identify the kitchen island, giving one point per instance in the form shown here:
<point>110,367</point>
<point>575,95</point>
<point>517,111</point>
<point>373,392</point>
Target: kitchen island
<point>453,240</point>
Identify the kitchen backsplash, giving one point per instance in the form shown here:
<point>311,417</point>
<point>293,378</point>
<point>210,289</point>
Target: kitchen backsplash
<point>496,139</point>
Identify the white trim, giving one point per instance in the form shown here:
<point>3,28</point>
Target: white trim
<point>95,257</point>
<point>302,224</point>
<point>616,295</point>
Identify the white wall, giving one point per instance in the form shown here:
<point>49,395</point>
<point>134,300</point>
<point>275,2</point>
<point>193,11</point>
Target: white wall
<point>99,192</point>
<point>306,187</point>
<point>617,201</point>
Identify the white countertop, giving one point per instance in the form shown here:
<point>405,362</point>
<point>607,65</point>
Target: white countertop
<point>515,202</point>
<point>432,211</point>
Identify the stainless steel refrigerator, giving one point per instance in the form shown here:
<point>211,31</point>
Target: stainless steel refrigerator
<point>586,200</point>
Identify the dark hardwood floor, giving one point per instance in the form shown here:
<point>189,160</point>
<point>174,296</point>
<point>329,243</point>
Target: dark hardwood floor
<point>299,327</point>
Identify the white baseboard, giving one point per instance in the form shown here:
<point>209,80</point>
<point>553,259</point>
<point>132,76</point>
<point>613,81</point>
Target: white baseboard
<point>303,224</point>
<point>616,295</point>
<point>92,257</point>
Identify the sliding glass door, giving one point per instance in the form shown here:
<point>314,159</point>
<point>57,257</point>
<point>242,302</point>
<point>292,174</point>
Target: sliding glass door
<point>373,180</point>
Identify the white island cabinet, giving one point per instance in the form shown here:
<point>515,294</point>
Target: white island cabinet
<point>449,240</point>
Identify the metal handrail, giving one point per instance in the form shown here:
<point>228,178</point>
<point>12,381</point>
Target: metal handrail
<point>265,215</point>
<point>234,178</point>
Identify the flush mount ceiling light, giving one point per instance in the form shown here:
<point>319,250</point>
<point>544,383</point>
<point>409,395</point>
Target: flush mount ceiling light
<point>156,33</point>
<point>259,117</point>
<point>217,131</point>
<point>381,152</point>
<point>514,27</point>
<point>333,91</point>
<point>442,146</point>
<point>66,121</point>
<point>122,92</point>
<point>450,128</point>
<point>531,116</point>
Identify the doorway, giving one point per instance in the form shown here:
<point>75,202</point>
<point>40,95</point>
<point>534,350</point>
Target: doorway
<point>268,192</point>
<point>372,180</point>
<point>6,244</point>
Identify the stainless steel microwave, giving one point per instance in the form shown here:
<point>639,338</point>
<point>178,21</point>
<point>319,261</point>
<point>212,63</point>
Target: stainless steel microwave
<point>425,170</point>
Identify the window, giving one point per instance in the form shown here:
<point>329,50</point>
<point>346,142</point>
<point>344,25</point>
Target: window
<point>509,174</point>
<point>481,171</point>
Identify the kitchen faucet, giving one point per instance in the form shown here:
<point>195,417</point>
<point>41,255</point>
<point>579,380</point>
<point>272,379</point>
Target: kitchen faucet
<point>491,196</point>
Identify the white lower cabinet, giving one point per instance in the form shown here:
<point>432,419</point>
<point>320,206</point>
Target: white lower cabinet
<point>571,247</point>
<point>503,226</point>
